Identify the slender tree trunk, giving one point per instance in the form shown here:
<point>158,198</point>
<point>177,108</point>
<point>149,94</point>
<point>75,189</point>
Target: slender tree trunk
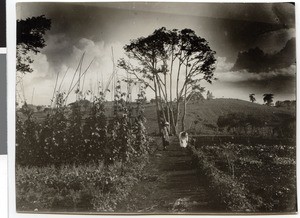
<point>184,98</point>
<point>172,121</point>
<point>157,106</point>
<point>160,99</point>
<point>183,116</point>
<point>177,97</point>
<point>167,103</point>
<point>177,116</point>
<point>171,74</point>
<point>184,109</point>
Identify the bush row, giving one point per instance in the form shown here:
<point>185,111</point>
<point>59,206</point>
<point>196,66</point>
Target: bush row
<point>69,135</point>
<point>233,196</point>
<point>281,125</point>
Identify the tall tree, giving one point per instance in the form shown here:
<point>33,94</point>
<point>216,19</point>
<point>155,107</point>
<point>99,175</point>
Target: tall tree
<point>268,99</point>
<point>30,38</point>
<point>252,98</point>
<point>168,57</point>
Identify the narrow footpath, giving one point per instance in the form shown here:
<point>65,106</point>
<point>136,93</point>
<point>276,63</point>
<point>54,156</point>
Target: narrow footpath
<point>171,185</point>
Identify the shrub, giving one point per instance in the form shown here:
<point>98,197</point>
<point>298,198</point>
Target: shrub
<point>66,136</point>
<point>28,149</point>
<point>95,132</point>
<point>78,162</point>
<point>92,187</point>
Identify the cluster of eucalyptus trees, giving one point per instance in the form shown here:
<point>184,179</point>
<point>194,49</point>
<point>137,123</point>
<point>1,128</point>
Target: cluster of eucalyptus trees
<point>172,63</point>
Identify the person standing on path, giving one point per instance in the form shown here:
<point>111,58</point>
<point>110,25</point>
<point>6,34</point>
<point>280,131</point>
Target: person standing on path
<point>165,135</point>
<point>183,139</point>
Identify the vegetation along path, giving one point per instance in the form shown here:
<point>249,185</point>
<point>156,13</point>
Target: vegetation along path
<point>171,184</point>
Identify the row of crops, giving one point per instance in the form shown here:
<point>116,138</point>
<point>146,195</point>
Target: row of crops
<point>250,177</point>
<point>78,160</point>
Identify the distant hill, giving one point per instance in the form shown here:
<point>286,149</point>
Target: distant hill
<point>202,116</point>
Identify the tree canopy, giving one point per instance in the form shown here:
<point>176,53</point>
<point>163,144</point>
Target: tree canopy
<point>168,57</point>
<point>30,38</point>
<point>268,99</point>
<point>252,97</point>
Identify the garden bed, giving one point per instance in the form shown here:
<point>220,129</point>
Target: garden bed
<point>250,178</point>
<point>88,188</point>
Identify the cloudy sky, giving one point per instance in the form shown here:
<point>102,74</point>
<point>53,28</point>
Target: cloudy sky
<point>254,43</point>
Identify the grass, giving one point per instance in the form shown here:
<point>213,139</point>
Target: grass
<point>202,116</point>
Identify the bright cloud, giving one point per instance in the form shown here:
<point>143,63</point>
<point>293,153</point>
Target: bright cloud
<point>43,76</point>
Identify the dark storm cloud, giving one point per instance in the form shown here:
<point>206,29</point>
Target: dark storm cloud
<point>245,26</point>
<point>228,37</point>
<point>285,14</point>
<point>280,85</point>
<point>256,61</point>
<point>229,28</point>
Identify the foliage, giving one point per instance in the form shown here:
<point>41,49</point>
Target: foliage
<point>291,105</point>
<point>53,135</point>
<point>240,122</point>
<point>30,38</point>
<point>80,162</point>
<point>94,131</point>
<point>88,188</point>
<point>279,125</point>
<point>268,99</point>
<point>252,98</point>
<point>27,146</point>
<point>158,56</point>
<point>68,136</point>
<point>141,137</point>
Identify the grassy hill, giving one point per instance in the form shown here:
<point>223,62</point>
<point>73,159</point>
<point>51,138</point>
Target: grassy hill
<point>202,116</point>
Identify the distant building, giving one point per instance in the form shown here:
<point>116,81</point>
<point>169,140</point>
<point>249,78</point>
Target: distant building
<point>84,104</point>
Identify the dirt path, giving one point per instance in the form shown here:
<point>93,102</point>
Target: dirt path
<point>170,186</point>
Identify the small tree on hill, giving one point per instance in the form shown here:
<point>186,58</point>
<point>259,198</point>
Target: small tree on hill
<point>252,98</point>
<point>268,99</point>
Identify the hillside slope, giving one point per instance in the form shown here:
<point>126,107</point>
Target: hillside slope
<point>202,116</point>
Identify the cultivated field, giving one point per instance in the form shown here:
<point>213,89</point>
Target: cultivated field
<point>249,174</point>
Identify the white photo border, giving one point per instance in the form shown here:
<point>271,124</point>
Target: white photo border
<point>11,63</point>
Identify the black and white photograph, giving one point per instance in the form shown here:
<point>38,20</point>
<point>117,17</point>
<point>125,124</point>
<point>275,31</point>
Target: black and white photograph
<point>155,108</point>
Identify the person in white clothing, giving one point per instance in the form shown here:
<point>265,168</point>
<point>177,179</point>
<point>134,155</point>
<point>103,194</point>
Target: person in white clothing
<point>183,139</point>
